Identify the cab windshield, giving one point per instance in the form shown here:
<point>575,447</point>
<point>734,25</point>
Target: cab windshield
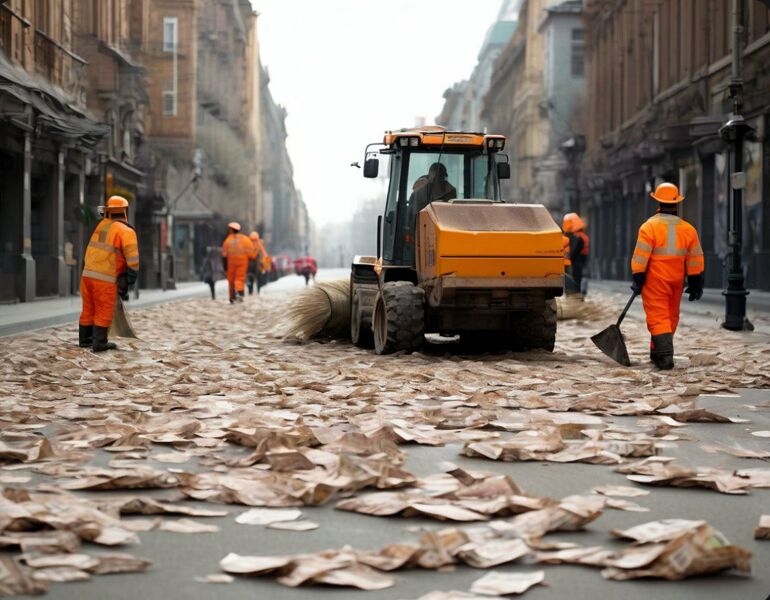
<point>420,178</point>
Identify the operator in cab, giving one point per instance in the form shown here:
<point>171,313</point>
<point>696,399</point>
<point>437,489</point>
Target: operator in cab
<point>437,188</point>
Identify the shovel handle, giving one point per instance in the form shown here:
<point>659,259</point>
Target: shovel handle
<point>625,310</point>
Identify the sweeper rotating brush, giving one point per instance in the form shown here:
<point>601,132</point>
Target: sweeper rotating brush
<point>322,310</point>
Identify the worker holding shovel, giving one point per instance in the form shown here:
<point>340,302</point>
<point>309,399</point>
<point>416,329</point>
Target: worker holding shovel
<point>667,249</point>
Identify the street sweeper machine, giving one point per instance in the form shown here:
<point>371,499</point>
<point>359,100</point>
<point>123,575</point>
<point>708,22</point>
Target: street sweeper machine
<point>453,256</point>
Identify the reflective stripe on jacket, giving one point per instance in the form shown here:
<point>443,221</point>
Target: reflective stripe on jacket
<point>668,240</point>
<point>112,248</point>
<point>238,245</point>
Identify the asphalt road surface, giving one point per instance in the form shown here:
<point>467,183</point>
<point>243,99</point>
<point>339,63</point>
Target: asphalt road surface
<point>177,559</point>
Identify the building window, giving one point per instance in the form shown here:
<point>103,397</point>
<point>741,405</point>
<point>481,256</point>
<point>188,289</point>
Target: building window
<point>170,39</point>
<point>578,52</point>
<point>169,103</point>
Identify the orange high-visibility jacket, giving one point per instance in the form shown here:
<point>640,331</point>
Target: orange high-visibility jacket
<point>112,248</point>
<point>586,241</point>
<point>259,248</point>
<point>668,246</point>
<point>565,247</point>
<point>238,247</point>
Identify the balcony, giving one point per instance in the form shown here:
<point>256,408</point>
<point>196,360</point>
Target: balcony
<point>5,33</point>
<point>60,66</point>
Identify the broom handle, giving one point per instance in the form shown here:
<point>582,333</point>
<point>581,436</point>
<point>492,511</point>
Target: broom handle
<point>625,310</point>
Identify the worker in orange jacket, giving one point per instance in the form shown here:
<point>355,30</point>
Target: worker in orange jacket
<point>579,247</point>
<point>667,249</point>
<point>237,250</point>
<point>109,270</point>
<point>255,264</point>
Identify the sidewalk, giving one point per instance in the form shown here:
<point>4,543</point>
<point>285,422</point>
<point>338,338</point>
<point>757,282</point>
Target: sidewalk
<point>26,316</point>
<point>713,302</point>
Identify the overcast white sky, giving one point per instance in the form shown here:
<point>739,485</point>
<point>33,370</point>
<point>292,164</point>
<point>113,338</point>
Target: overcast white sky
<point>347,70</point>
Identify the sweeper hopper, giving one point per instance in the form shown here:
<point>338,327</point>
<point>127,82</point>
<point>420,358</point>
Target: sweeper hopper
<point>453,256</point>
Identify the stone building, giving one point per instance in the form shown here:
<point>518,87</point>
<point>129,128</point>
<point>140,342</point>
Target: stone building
<point>534,96</point>
<point>47,139</point>
<point>109,35</point>
<point>463,102</point>
<point>202,131</point>
<point>285,224</point>
<point>657,90</point>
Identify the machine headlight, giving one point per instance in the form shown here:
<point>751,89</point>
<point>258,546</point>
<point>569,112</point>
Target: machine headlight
<point>414,142</point>
<point>403,142</point>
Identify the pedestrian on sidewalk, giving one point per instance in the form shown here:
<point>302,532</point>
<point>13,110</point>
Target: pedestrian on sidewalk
<point>109,270</point>
<point>211,270</point>
<point>237,250</point>
<point>667,249</point>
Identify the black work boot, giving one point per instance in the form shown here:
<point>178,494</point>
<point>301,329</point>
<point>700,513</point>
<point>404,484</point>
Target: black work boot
<point>100,340</point>
<point>662,353</point>
<point>86,335</point>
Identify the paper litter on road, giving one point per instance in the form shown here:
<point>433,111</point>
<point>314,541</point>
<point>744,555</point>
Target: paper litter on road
<point>497,584</point>
<point>187,526</point>
<point>762,532</point>
<point>266,516</point>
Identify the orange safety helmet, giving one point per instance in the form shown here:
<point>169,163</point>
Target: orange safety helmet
<point>117,202</point>
<point>235,226</point>
<point>572,223</point>
<point>667,193</point>
<point>254,236</point>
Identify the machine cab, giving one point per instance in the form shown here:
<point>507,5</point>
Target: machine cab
<point>432,165</point>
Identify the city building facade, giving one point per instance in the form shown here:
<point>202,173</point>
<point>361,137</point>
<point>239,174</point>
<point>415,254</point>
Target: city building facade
<point>47,142</point>
<point>464,101</point>
<point>535,98</point>
<point>658,95</point>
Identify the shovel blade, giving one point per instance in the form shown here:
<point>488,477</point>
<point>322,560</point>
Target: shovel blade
<point>121,325</point>
<point>610,341</point>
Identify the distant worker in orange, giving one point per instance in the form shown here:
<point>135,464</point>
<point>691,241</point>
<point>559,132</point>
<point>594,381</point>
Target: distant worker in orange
<point>579,246</point>
<point>109,270</point>
<point>667,249</point>
<point>255,263</point>
<point>237,250</point>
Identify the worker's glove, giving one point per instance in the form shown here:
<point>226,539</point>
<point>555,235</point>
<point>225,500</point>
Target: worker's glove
<point>638,283</point>
<point>695,287</point>
<point>122,282</point>
<point>224,263</point>
<point>131,277</point>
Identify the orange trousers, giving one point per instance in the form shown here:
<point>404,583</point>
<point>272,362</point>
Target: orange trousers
<point>99,299</point>
<point>661,298</point>
<point>236,274</point>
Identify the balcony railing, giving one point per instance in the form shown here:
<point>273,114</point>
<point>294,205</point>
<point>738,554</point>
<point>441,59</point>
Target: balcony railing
<point>60,66</point>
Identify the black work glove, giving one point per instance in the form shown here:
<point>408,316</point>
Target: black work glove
<point>224,263</point>
<point>695,287</point>
<point>131,277</point>
<point>122,282</point>
<point>638,283</point>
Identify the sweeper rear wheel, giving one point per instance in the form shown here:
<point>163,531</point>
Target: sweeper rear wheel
<point>399,318</point>
<point>538,328</point>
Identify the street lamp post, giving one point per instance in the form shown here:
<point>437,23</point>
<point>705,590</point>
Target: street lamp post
<point>735,131</point>
<point>573,150</point>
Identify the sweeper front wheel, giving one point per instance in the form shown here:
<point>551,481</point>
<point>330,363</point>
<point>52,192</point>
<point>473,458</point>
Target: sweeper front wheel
<point>399,318</point>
